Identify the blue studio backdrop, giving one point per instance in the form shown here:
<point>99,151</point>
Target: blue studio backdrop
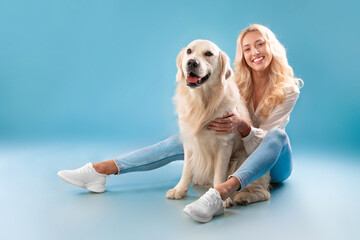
<point>106,69</point>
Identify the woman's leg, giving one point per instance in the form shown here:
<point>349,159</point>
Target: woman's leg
<point>93,176</point>
<point>273,154</point>
<point>144,159</point>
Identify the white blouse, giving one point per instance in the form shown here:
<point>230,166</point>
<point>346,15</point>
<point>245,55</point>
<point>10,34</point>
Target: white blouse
<point>278,118</point>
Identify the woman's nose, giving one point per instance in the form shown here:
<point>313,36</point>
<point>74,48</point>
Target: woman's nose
<point>255,52</point>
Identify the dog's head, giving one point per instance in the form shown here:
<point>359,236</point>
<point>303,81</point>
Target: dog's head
<point>202,61</point>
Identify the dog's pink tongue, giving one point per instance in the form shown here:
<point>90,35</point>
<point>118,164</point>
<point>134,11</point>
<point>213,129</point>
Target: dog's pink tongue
<point>192,79</point>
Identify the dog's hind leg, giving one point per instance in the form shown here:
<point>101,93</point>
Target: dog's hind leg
<point>254,192</point>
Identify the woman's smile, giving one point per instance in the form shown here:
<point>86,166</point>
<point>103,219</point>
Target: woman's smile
<point>258,60</point>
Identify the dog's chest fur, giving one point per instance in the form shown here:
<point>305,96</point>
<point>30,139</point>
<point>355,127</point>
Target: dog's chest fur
<point>195,110</point>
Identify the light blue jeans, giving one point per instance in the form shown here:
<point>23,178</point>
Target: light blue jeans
<point>273,154</point>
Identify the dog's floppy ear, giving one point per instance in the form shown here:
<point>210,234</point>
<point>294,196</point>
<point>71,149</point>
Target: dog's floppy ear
<point>180,75</point>
<point>225,71</point>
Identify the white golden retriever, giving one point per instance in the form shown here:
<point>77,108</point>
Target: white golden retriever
<point>206,90</point>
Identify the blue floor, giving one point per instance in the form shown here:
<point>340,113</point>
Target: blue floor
<point>320,200</point>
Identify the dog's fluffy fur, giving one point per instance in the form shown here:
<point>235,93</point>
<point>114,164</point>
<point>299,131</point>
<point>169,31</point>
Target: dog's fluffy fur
<point>206,90</point>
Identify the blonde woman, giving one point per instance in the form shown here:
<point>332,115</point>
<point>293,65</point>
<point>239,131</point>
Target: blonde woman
<point>267,83</point>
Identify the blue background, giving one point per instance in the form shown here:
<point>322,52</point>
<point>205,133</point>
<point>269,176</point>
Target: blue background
<point>105,70</point>
<point>88,81</point>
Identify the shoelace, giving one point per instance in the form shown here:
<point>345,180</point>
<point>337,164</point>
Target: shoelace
<point>208,200</point>
<point>86,168</point>
<point>83,169</point>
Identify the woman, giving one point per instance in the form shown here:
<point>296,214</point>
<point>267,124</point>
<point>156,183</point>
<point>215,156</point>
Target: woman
<point>267,83</point>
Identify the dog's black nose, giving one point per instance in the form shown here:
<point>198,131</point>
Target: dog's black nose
<point>192,64</point>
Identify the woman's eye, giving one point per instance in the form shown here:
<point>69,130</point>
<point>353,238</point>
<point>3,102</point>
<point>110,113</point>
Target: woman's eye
<point>188,51</point>
<point>208,54</point>
<point>246,49</point>
<point>260,44</point>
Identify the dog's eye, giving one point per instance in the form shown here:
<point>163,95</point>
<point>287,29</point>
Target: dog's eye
<point>188,51</point>
<point>208,54</point>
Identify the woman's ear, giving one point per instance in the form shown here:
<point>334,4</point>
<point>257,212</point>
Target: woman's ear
<point>225,71</point>
<point>180,75</point>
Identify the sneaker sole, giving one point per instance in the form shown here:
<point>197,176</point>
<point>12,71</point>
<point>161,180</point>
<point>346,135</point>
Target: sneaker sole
<point>203,219</point>
<point>97,188</point>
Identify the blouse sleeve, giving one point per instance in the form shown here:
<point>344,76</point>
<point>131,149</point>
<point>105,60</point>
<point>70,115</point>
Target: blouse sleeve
<point>278,118</point>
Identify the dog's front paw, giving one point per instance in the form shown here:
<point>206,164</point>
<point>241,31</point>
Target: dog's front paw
<point>175,194</point>
<point>228,203</point>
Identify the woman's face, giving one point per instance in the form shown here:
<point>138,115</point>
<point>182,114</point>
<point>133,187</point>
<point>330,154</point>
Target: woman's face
<point>256,51</point>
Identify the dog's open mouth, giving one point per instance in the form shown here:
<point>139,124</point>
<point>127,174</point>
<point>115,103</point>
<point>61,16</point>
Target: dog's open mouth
<point>193,80</point>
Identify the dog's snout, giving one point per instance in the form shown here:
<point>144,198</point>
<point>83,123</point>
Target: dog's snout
<point>192,64</point>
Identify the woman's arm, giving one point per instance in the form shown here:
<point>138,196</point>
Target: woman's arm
<point>252,136</point>
<point>229,123</point>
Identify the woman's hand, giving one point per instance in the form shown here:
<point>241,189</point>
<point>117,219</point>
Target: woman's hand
<point>228,124</point>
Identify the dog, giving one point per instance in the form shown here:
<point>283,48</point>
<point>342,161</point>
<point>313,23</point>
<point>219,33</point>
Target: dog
<point>206,90</point>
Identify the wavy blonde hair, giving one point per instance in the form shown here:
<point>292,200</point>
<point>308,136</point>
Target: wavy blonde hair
<point>280,72</point>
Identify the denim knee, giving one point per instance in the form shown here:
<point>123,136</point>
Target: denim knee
<point>174,138</point>
<point>176,142</point>
<point>279,135</point>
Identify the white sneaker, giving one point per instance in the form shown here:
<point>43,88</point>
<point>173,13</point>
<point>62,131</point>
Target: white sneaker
<point>206,207</point>
<point>85,177</point>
